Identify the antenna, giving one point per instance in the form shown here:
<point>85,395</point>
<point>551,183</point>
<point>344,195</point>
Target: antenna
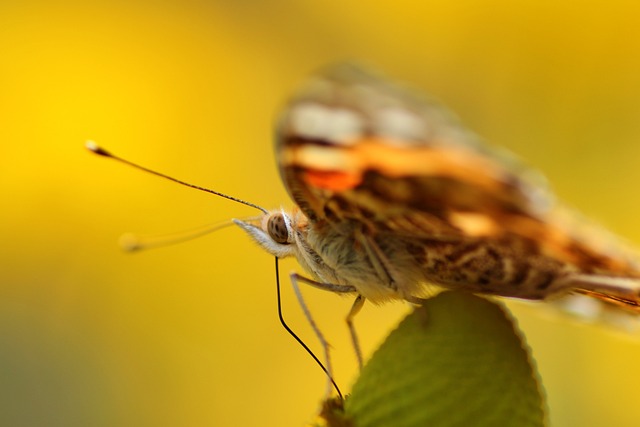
<point>133,242</point>
<point>95,148</point>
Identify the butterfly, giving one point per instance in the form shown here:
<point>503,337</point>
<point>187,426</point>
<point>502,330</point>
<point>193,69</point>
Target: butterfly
<point>394,197</point>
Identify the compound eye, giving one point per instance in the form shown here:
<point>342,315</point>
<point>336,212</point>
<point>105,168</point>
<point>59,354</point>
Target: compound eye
<point>277,229</point>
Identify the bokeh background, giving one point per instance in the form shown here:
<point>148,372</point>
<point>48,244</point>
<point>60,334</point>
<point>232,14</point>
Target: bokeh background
<point>188,335</point>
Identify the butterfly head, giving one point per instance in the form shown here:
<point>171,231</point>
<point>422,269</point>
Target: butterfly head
<point>273,231</point>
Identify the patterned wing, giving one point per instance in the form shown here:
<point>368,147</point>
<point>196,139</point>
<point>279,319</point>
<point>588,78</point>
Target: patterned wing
<point>353,147</point>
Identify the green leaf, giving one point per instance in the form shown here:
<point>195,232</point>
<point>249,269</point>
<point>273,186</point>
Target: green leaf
<point>456,361</point>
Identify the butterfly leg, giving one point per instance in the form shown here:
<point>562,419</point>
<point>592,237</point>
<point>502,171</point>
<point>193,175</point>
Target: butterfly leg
<point>338,289</point>
<point>305,309</point>
<point>355,309</point>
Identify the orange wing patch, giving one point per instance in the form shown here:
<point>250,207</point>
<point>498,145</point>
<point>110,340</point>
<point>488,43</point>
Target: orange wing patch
<point>332,180</point>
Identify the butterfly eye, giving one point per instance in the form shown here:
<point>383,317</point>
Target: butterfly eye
<point>277,229</point>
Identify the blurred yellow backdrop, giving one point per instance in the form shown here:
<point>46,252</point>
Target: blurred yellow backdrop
<point>188,335</point>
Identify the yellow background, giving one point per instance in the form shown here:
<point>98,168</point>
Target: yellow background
<point>188,335</point>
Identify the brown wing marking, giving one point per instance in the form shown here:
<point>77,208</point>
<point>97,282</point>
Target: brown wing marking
<point>432,175</point>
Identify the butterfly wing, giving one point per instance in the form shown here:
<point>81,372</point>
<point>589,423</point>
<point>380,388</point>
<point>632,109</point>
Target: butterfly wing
<point>353,147</point>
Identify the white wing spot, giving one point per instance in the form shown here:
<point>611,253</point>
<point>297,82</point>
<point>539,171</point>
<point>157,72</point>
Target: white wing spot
<point>401,125</point>
<point>339,126</point>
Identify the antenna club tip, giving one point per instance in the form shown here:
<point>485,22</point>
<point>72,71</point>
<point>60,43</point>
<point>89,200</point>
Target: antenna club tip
<point>95,148</point>
<point>129,242</point>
